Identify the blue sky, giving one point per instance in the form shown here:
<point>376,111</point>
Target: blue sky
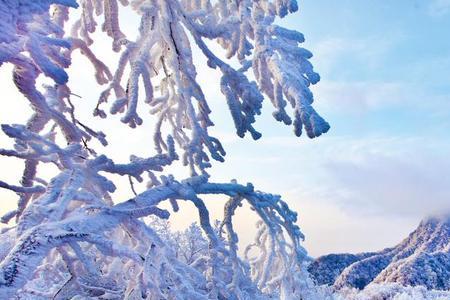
<point>395,53</point>
<point>385,90</point>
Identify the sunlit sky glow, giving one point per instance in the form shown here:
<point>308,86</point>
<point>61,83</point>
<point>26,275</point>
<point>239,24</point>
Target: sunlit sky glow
<point>385,90</point>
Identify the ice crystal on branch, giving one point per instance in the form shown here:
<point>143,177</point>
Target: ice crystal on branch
<point>70,238</point>
<point>162,57</point>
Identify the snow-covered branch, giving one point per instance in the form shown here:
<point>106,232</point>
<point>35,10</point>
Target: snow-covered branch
<point>70,237</point>
<point>90,223</point>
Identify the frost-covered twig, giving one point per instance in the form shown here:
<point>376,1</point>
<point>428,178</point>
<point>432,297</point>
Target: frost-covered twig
<point>70,223</point>
<point>162,57</point>
<point>84,226</point>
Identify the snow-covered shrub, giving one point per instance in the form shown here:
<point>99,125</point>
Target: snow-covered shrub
<point>392,291</point>
<point>188,245</point>
<point>71,239</point>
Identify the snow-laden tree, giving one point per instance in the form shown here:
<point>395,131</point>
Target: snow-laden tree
<point>189,245</point>
<point>68,238</point>
<point>394,291</point>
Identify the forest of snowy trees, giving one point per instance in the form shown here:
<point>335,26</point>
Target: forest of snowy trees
<point>69,236</point>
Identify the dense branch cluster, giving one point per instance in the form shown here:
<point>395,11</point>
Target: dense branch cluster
<point>70,239</point>
<point>162,57</point>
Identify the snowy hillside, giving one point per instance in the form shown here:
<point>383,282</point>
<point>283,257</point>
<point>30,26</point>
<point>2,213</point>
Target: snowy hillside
<point>423,258</point>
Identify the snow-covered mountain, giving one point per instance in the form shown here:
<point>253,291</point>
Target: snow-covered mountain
<point>423,258</point>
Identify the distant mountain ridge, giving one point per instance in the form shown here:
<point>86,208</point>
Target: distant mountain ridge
<point>423,258</point>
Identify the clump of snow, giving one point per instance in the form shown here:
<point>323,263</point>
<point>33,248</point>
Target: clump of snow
<point>392,291</point>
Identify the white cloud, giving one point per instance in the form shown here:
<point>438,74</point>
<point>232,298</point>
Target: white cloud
<point>401,177</point>
<point>439,8</point>
<point>374,175</point>
<point>368,51</point>
<point>360,97</point>
<point>330,229</point>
